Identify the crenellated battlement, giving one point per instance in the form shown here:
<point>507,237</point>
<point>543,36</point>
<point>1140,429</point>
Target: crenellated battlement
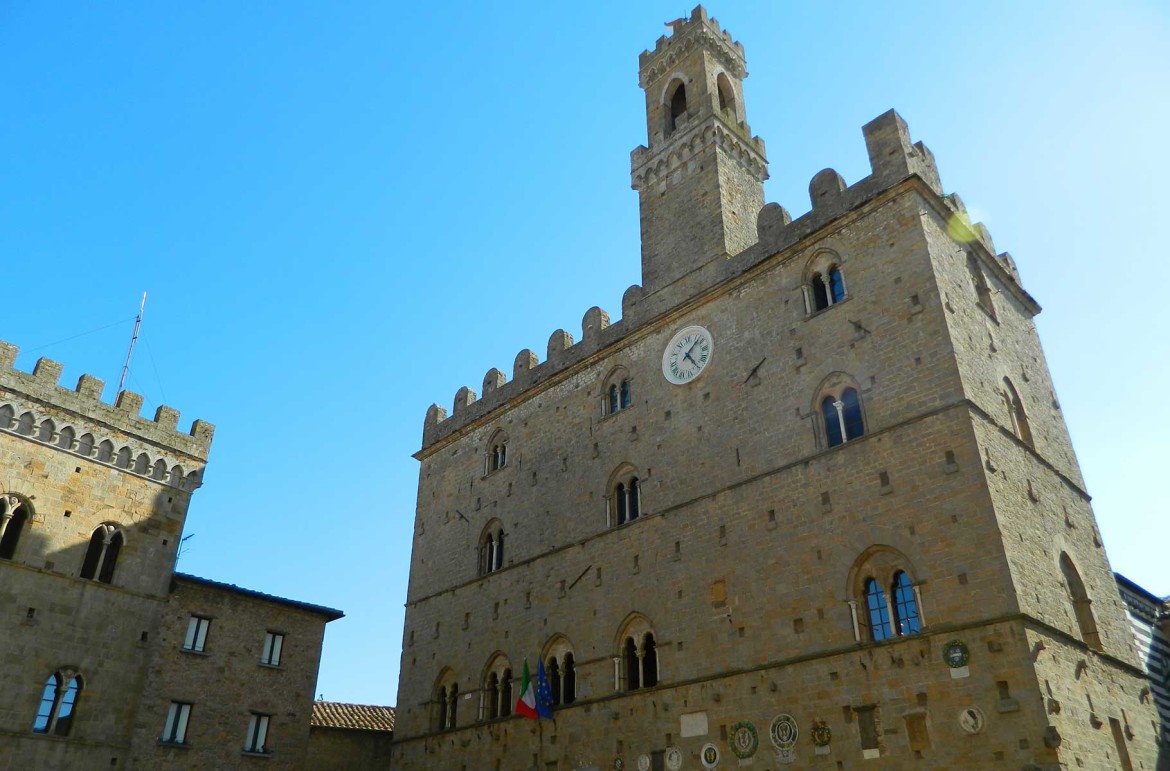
<point>893,159</point>
<point>40,390</point>
<point>686,35</point>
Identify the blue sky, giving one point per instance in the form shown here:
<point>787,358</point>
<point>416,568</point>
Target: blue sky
<point>344,211</point>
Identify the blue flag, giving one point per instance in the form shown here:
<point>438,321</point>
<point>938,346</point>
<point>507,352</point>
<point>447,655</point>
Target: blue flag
<point>543,693</point>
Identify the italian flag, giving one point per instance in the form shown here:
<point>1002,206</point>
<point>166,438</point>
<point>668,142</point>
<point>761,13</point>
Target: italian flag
<point>526,704</point>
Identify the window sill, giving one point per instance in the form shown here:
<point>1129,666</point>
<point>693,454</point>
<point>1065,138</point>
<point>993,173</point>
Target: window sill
<point>826,309</point>
<point>267,754</point>
<point>193,652</point>
<point>266,665</point>
<point>175,745</point>
<point>609,415</point>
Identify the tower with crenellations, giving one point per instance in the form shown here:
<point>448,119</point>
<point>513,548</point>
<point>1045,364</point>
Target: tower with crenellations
<point>810,502</point>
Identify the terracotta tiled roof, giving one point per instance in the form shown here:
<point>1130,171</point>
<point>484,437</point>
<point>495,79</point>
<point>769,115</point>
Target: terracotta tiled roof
<point>334,714</point>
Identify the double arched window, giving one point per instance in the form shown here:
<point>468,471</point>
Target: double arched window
<point>497,453</point>
<point>893,615</point>
<point>14,513</point>
<point>625,499</point>
<point>446,701</point>
<point>497,689</point>
<point>102,555</point>
<point>885,600</point>
<point>824,283</point>
<point>841,415</point>
<point>58,704</point>
<point>618,396</point>
<point>636,662</point>
<point>491,548</point>
<point>561,669</point>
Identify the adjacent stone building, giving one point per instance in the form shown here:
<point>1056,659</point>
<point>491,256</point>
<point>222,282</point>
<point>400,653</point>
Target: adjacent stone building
<point>349,737</point>
<point>811,501</point>
<point>111,659</point>
<point>1149,615</point>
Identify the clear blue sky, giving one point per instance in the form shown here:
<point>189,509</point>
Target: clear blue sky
<point>344,211</point>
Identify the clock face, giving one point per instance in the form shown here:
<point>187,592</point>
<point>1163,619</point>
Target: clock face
<point>687,355</point>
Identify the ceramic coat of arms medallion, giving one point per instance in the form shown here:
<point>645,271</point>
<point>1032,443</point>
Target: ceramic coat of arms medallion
<point>784,734</point>
<point>744,740</point>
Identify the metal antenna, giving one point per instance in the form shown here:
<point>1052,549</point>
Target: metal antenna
<point>133,340</point>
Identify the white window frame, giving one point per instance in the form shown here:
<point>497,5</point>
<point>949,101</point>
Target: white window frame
<point>178,718</point>
<point>196,639</point>
<point>257,733</point>
<point>273,646</point>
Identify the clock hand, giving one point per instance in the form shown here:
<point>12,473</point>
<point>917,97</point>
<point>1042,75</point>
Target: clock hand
<point>687,355</point>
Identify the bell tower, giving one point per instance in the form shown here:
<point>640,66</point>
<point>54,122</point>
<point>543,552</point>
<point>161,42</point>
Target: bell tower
<point>700,181</point>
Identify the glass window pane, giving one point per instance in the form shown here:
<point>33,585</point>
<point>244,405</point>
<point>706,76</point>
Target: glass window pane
<point>832,421</point>
<point>879,614</point>
<point>65,708</point>
<point>905,606</point>
<point>852,410</point>
<point>45,710</point>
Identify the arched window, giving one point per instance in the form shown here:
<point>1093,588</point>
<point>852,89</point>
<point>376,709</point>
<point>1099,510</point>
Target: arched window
<point>618,393</point>
<point>65,438</point>
<point>102,554</point>
<point>824,283</point>
<point>160,470</point>
<point>141,463</point>
<point>881,584</point>
<point>841,415</point>
<point>14,512</point>
<point>105,451</point>
<point>6,414</point>
<point>123,460</point>
<point>626,498</point>
<point>58,704</point>
<point>491,548</point>
<point>492,692</point>
<point>497,453</point>
<point>1016,413</point>
<point>637,656</point>
<point>45,434</point>
<point>496,698</point>
<point>25,426</point>
<point>560,671</point>
<point>878,611</point>
<point>85,445</point>
<point>726,95</point>
<point>1082,605</point>
<point>446,701</point>
<point>633,665</point>
<point>982,290</point>
<point>649,661</point>
<point>905,605</point>
<point>678,106</point>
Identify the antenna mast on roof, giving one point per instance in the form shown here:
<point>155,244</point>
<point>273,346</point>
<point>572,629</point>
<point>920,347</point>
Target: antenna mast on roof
<point>133,340</point>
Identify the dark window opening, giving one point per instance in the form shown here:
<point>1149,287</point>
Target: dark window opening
<point>678,107</point>
<point>102,555</point>
<point>442,707</point>
<point>649,661</point>
<point>569,684</point>
<point>493,696</point>
<point>820,292</point>
<point>13,515</point>
<point>633,680</point>
<point>506,693</point>
<point>554,680</point>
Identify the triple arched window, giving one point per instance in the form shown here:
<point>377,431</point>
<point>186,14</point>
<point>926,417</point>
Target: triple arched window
<point>14,513</point>
<point>58,704</point>
<point>102,555</point>
<point>491,548</point>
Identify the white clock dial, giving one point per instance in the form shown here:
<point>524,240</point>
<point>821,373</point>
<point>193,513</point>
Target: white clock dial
<point>687,355</point>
